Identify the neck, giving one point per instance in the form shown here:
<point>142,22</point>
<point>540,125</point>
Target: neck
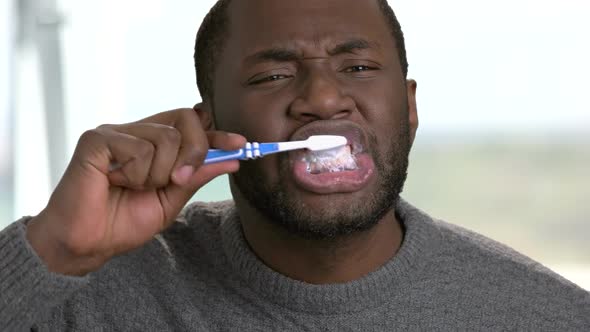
<point>330,261</point>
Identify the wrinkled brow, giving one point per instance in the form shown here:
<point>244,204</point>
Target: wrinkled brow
<point>280,54</point>
<point>274,54</point>
<point>352,45</point>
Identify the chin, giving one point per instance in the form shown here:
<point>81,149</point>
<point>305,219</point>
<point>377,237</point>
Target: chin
<point>325,216</point>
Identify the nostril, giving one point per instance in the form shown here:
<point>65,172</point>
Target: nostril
<point>305,118</point>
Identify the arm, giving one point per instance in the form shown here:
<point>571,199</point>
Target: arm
<point>28,290</point>
<point>98,212</point>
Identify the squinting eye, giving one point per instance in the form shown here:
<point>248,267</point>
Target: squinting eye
<point>270,78</point>
<point>358,68</point>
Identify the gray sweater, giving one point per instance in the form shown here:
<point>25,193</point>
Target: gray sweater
<point>200,275</point>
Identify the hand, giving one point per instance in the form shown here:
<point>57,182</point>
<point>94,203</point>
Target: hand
<point>96,213</point>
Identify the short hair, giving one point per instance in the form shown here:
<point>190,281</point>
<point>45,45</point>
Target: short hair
<point>213,33</point>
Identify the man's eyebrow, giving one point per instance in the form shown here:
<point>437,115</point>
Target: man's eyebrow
<point>352,45</point>
<point>277,54</point>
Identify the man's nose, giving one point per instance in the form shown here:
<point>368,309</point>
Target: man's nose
<point>321,97</point>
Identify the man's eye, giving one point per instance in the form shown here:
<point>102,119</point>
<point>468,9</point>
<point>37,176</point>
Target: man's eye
<point>270,78</point>
<point>359,68</point>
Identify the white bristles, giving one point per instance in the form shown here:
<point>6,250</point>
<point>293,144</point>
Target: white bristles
<point>314,143</point>
<point>325,142</point>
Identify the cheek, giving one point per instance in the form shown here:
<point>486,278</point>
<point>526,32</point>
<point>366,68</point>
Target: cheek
<point>381,101</point>
<point>383,105</point>
<point>264,118</point>
<point>258,119</point>
<point>256,116</point>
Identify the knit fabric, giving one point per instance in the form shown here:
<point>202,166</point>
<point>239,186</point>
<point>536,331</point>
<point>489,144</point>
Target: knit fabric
<point>200,275</point>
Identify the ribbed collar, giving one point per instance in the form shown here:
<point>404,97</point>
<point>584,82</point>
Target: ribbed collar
<point>421,239</point>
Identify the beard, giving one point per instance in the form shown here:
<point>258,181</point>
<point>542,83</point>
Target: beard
<point>275,203</point>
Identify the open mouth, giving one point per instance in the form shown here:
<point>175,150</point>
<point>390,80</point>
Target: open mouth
<point>345,169</point>
<point>333,160</point>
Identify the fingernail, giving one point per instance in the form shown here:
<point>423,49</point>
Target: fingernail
<point>183,174</point>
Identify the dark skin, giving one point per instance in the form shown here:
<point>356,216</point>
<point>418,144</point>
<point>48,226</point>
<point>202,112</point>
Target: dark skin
<point>341,65</point>
<point>337,60</point>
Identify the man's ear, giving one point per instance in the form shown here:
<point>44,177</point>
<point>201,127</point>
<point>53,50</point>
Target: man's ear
<point>411,87</point>
<point>204,112</point>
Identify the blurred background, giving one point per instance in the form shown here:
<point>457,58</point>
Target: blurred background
<point>504,141</point>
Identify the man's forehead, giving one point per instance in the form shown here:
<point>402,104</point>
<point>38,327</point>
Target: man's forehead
<point>264,7</point>
<point>305,24</point>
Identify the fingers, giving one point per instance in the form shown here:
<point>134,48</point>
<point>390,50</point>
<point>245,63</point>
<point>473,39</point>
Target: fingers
<point>175,196</point>
<point>192,151</point>
<point>185,185</point>
<point>165,141</point>
<point>224,140</point>
<point>160,150</point>
<point>194,144</point>
<point>215,139</point>
<point>134,156</point>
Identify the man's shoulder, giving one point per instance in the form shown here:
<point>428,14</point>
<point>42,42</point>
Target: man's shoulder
<point>480,254</point>
<point>501,274</point>
<point>471,247</point>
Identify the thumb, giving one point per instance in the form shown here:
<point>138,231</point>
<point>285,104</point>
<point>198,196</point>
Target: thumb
<point>185,185</point>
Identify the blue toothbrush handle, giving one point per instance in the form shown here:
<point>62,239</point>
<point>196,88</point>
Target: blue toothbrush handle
<point>268,148</point>
<point>217,155</point>
<point>250,151</point>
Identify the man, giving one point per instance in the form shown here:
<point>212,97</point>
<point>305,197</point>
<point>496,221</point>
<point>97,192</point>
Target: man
<point>302,246</point>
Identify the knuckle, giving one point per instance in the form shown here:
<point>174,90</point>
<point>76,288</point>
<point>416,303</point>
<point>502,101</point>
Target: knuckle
<point>133,179</point>
<point>186,112</point>
<point>89,136</point>
<point>195,154</point>
<point>145,150</point>
<point>170,135</point>
<point>105,126</point>
<point>186,115</point>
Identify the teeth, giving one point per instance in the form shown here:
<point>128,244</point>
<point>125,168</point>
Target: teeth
<point>333,160</point>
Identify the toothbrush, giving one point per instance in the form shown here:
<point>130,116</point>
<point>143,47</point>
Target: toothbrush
<point>253,150</point>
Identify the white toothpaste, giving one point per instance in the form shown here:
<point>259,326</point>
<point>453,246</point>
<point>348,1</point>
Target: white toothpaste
<point>330,161</point>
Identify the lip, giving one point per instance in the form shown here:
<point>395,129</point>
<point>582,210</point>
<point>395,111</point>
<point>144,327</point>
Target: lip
<point>333,182</point>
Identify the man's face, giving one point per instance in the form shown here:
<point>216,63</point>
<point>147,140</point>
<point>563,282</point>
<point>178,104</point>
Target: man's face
<point>291,69</point>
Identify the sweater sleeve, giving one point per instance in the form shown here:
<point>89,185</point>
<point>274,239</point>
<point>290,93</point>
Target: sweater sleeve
<point>28,290</point>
